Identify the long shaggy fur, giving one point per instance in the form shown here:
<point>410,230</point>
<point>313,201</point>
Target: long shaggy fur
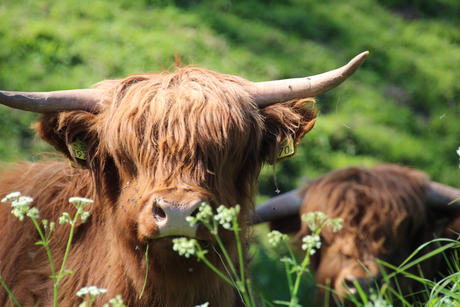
<point>192,131</point>
<point>385,217</point>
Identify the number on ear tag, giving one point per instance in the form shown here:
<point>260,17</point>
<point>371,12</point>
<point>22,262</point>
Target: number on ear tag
<point>79,149</point>
<point>286,150</point>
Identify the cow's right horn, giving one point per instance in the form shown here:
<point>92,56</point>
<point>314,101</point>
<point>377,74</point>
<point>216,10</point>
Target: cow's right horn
<point>271,92</point>
<point>443,197</point>
<point>47,102</point>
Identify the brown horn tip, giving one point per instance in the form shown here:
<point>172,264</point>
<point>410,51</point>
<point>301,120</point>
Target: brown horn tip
<point>47,102</point>
<point>271,92</point>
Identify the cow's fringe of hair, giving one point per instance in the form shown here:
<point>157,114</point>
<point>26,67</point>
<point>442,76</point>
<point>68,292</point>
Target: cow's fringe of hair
<point>368,200</point>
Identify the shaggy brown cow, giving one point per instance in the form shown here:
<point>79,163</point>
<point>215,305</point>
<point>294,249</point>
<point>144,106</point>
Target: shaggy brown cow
<point>157,145</point>
<point>388,211</point>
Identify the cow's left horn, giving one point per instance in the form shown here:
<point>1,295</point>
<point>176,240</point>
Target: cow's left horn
<point>47,102</point>
<point>271,92</point>
<point>443,197</point>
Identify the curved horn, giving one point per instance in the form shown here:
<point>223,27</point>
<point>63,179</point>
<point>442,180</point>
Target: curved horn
<point>443,197</point>
<point>271,92</point>
<point>47,102</point>
<point>281,206</point>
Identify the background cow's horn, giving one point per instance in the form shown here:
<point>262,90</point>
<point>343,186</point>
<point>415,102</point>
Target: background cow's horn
<point>271,92</point>
<point>441,196</point>
<point>47,102</point>
<point>285,205</point>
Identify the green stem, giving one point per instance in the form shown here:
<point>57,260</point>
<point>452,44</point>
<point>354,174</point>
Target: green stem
<point>48,251</point>
<point>61,271</point>
<point>146,270</point>
<point>286,266</point>
<point>9,292</point>
<point>221,245</point>
<point>304,264</point>
<point>243,283</point>
<point>67,249</point>
<point>251,293</point>
<point>240,251</point>
<point>214,230</point>
<point>298,277</point>
<point>202,257</point>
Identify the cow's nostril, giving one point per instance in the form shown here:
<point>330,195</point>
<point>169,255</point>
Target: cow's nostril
<point>158,212</point>
<point>195,212</point>
<point>350,285</point>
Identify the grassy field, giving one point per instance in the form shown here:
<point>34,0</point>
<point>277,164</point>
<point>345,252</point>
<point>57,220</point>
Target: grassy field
<point>402,106</point>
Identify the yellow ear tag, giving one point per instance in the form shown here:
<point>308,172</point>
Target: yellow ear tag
<point>79,149</point>
<point>286,150</point>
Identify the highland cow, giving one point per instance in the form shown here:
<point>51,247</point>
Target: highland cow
<point>152,148</point>
<point>388,211</point>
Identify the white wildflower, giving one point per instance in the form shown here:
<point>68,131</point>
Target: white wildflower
<point>65,218</point>
<point>225,215</point>
<point>205,212</point>
<point>314,220</point>
<point>458,153</point>
<point>20,205</point>
<point>84,216</point>
<point>336,224</point>
<point>116,302</point>
<point>80,202</point>
<point>11,197</point>
<point>275,237</point>
<point>33,213</point>
<point>203,305</point>
<point>376,301</point>
<point>92,290</point>
<point>184,246</point>
<point>312,242</point>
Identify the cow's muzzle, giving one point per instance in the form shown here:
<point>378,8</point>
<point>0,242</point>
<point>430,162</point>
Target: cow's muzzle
<point>170,218</point>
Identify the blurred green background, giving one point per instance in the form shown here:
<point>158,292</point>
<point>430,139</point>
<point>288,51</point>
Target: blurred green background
<point>402,106</point>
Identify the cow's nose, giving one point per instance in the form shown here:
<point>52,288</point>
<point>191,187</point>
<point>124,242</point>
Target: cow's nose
<point>365,284</point>
<point>171,217</point>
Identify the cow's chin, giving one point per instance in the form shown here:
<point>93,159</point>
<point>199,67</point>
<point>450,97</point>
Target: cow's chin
<point>161,249</point>
<point>355,278</point>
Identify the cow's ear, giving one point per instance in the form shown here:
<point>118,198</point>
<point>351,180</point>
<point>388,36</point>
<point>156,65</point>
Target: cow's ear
<point>285,125</point>
<point>69,133</point>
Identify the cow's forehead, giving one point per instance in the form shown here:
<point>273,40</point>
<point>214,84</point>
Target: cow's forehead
<point>192,119</point>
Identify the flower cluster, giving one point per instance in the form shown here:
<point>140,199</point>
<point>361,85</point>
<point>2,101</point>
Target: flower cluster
<point>458,153</point>
<point>314,220</point>
<point>318,220</point>
<point>275,237</point>
<point>20,205</point>
<point>312,242</point>
<point>65,218</point>
<point>225,215</point>
<point>204,213</point>
<point>91,290</point>
<point>48,225</point>
<point>116,302</point>
<point>80,203</point>
<point>377,301</point>
<point>184,246</point>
